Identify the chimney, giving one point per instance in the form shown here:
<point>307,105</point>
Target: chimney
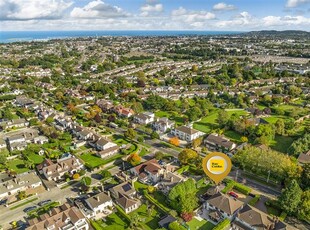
<point>97,198</point>
<point>171,179</point>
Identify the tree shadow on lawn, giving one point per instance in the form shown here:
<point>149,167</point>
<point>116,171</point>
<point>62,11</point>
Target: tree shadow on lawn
<point>110,221</point>
<point>20,166</point>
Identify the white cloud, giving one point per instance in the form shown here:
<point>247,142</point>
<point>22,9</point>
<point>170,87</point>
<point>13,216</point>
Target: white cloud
<point>241,20</point>
<point>223,6</point>
<point>149,9</point>
<point>97,9</point>
<point>295,3</point>
<point>33,9</point>
<point>271,21</point>
<point>193,18</point>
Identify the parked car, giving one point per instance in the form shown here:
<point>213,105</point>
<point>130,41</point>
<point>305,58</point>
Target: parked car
<point>44,202</point>
<point>28,209</point>
<point>233,194</point>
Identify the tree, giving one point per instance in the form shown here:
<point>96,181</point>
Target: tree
<point>134,159</point>
<point>222,118</point>
<point>21,195</point>
<point>197,142</point>
<point>193,113</point>
<point>76,176</point>
<point>105,174</point>
<point>301,145</point>
<point>86,181</point>
<point>291,197</point>
<point>154,135</point>
<point>175,226</point>
<point>174,141</point>
<point>305,176</point>
<point>182,197</point>
<point>159,155</point>
<point>244,139</point>
<point>130,133</point>
<point>304,207</point>
<point>187,155</point>
<point>280,126</point>
<point>2,158</point>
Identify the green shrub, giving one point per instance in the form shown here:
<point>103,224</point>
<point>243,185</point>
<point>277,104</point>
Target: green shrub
<point>242,188</point>
<point>282,216</point>
<point>222,225</point>
<point>254,200</point>
<point>229,186</point>
<point>121,211</point>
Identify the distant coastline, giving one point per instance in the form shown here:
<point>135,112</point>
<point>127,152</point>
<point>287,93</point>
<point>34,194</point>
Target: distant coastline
<point>23,36</point>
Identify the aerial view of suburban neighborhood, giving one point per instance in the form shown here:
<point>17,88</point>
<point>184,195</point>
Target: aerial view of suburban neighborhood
<point>107,128</point>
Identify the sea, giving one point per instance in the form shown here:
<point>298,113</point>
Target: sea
<point>23,36</point>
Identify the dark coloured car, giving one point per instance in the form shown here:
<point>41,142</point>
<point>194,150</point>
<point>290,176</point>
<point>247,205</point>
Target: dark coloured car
<point>44,202</point>
<point>29,209</point>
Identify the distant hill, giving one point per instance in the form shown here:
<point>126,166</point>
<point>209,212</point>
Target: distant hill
<point>282,34</point>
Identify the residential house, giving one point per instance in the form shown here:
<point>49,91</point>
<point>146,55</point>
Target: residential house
<point>99,203</point>
<point>186,133</point>
<point>220,206</point>
<point>60,218</point>
<point>56,170</point>
<point>217,142</point>
<point>123,112</point>
<point>252,219</point>
<point>12,184</point>
<point>124,195</point>
<point>144,118</point>
<point>165,221</point>
<point>304,158</point>
<point>105,147</point>
<point>84,134</point>
<point>16,123</point>
<point>169,180</point>
<point>105,105</point>
<point>148,172</point>
<point>40,140</point>
<point>163,124</point>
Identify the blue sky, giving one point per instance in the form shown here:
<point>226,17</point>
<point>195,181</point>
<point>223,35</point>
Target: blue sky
<point>238,15</point>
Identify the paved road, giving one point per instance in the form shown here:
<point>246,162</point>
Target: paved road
<point>55,194</point>
<point>263,189</point>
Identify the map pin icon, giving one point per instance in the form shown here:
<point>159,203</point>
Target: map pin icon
<point>217,166</point>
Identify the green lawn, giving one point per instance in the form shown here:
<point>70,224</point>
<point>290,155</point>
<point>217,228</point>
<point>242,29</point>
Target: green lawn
<point>17,165</point>
<point>179,120</point>
<point>35,158</point>
<point>208,123</point>
<point>149,220</point>
<point>92,160</point>
<point>113,221</point>
<point>281,143</point>
<point>233,135</point>
<point>200,225</point>
<point>131,149</point>
<point>143,152</point>
<point>273,118</point>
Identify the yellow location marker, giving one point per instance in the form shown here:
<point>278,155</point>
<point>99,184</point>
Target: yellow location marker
<point>217,166</point>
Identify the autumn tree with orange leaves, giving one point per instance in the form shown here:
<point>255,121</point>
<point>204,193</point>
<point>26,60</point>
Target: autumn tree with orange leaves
<point>174,141</point>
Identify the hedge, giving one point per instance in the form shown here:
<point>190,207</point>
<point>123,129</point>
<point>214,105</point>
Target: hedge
<point>242,188</point>
<point>154,201</point>
<point>183,169</point>
<point>95,225</point>
<point>121,211</point>
<point>222,225</point>
<point>254,200</point>
<point>231,184</point>
<point>282,216</point>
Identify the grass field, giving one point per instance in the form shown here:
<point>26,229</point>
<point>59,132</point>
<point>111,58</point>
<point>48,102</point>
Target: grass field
<point>35,158</point>
<point>282,143</point>
<point>113,221</point>
<point>17,165</point>
<point>150,222</point>
<point>179,120</point>
<point>208,123</point>
<point>92,160</point>
<point>273,118</point>
<point>200,225</point>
